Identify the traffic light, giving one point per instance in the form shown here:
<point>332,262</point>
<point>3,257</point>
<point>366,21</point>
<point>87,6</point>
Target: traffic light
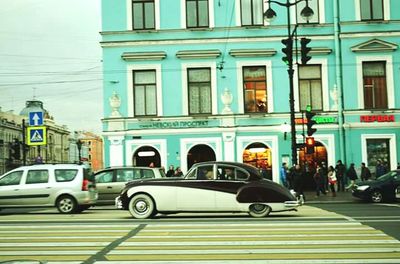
<point>305,50</point>
<point>310,123</point>
<point>16,149</point>
<point>287,50</point>
<point>310,143</point>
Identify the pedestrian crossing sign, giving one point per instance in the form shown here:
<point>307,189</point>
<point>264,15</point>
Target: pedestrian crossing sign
<point>36,136</point>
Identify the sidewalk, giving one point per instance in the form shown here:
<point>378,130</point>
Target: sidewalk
<point>341,197</point>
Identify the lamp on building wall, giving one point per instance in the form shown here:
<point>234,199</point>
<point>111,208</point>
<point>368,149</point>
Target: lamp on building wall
<point>306,14</point>
<point>285,128</point>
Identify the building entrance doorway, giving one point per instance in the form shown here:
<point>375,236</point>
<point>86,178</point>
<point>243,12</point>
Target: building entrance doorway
<point>309,163</point>
<point>259,155</point>
<point>144,156</point>
<point>200,153</point>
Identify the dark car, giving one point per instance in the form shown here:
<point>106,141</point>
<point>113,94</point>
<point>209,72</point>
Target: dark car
<point>385,188</point>
<point>208,187</point>
<point>111,181</point>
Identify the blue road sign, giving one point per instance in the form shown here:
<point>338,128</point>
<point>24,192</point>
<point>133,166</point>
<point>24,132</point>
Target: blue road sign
<point>36,136</point>
<point>35,118</point>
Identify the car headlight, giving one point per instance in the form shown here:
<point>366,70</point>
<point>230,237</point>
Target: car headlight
<point>362,187</point>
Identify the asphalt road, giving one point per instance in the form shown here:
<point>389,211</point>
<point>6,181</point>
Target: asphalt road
<point>104,235</point>
<point>385,217</point>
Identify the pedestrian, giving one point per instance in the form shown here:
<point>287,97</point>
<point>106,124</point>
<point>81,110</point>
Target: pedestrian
<point>151,165</point>
<point>171,171</point>
<point>178,172</point>
<point>340,170</point>
<point>380,168</point>
<point>352,175</point>
<point>319,188</point>
<point>332,180</point>
<point>324,176</point>
<point>365,172</point>
<point>298,179</point>
<point>283,174</point>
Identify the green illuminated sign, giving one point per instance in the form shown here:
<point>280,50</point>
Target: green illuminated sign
<point>325,119</point>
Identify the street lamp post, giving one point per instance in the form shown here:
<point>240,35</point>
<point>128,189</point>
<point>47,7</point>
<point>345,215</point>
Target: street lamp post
<point>306,13</point>
<point>79,146</point>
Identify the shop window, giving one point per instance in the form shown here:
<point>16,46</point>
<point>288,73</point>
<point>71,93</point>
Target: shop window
<point>143,14</point>
<point>313,4</point>
<point>371,9</point>
<point>144,92</point>
<point>252,13</point>
<point>378,149</point>
<point>255,89</point>
<point>199,89</point>
<point>374,84</point>
<point>310,87</point>
<point>197,14</point>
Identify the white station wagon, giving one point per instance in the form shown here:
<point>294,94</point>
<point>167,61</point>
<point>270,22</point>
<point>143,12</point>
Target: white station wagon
<point>68,187</point>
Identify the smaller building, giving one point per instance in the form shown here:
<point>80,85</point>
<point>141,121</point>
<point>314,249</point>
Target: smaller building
<point>88,148</point>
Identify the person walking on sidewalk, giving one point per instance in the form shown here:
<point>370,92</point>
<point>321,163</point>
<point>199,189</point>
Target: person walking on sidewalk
<point>340,173</point>
<point>319,188</point>
<point>352,175</point>
<point>365,172</point>
<point>298,178</point>
<point>332,180</point>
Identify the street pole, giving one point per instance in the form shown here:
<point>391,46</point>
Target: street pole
<point>307,12</point>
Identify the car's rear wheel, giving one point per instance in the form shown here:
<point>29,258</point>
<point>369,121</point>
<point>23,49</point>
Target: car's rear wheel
<point>376,196</point>
<point>66,204</point>
<point>142,206</point>
<point>259,210</point>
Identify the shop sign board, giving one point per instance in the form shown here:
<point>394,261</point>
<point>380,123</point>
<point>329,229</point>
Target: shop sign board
<point>376,118</point>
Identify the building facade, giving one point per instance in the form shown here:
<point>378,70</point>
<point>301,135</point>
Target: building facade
<point>193,80</point>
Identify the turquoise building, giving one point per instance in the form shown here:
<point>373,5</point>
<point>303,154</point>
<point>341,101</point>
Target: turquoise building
<point>193,80</point>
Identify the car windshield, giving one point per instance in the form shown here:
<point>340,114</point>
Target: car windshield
<point>388,175</point>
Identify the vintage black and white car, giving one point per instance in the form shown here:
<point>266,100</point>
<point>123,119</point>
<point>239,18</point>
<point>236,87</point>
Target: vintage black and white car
<point>208,187</point>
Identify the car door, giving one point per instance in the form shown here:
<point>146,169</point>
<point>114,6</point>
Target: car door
<point>229,180</point>
<point>197,193</point>
<point>105,185</point>
<point>37,189</point>
<point>396,181</point>
<point>10,185</point>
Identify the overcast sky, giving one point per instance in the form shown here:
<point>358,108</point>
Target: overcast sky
<point>49,49</point>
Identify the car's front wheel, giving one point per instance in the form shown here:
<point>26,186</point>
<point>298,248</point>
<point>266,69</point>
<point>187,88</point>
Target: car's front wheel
<point>66,204</point>
<point>259,210</point>
<point>142,206</point>
<point>376,196</point>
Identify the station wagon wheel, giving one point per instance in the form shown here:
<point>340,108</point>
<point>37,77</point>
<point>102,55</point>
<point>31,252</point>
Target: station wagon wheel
<point>376,196</point>
<point>142,206</point>
<point>66,204</point>
<point>259,210</point>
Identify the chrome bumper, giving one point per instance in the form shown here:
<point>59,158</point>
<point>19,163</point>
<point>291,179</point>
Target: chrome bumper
<point>294,204</point>
<point>118,203</point>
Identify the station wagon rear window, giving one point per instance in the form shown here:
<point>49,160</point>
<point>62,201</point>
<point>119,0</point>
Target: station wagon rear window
<point>65,175</point>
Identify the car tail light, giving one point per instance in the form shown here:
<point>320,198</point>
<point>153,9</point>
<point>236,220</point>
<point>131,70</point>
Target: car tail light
<point>85,185</point>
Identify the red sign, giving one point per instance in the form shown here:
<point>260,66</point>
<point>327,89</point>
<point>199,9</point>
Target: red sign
<point>376,118</point>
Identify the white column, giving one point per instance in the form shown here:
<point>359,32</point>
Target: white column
<point>116,150</point>
<point>229,146</point>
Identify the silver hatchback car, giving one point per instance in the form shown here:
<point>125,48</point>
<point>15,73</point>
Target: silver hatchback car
<point>111,181</point>
<point>69,187</point>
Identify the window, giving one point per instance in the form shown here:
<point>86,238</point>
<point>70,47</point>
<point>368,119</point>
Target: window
<point>37,176</point>
<point>65,175</point>
<point>144,92</point>
<point>146,174</point>
<point>313,4</point>
<point>199,86</point>
<point>205,172</point>
<point>104,177</point>
<point>252,13</point>
<point>143,14</point>
<point>13,178</point>
<point>231,173</point>
<point>255,89</point>
<point>374,84</point>
<point>378,149</point>
<point>371,9</point>
<point>197,13</point>
<point>310,87</point>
